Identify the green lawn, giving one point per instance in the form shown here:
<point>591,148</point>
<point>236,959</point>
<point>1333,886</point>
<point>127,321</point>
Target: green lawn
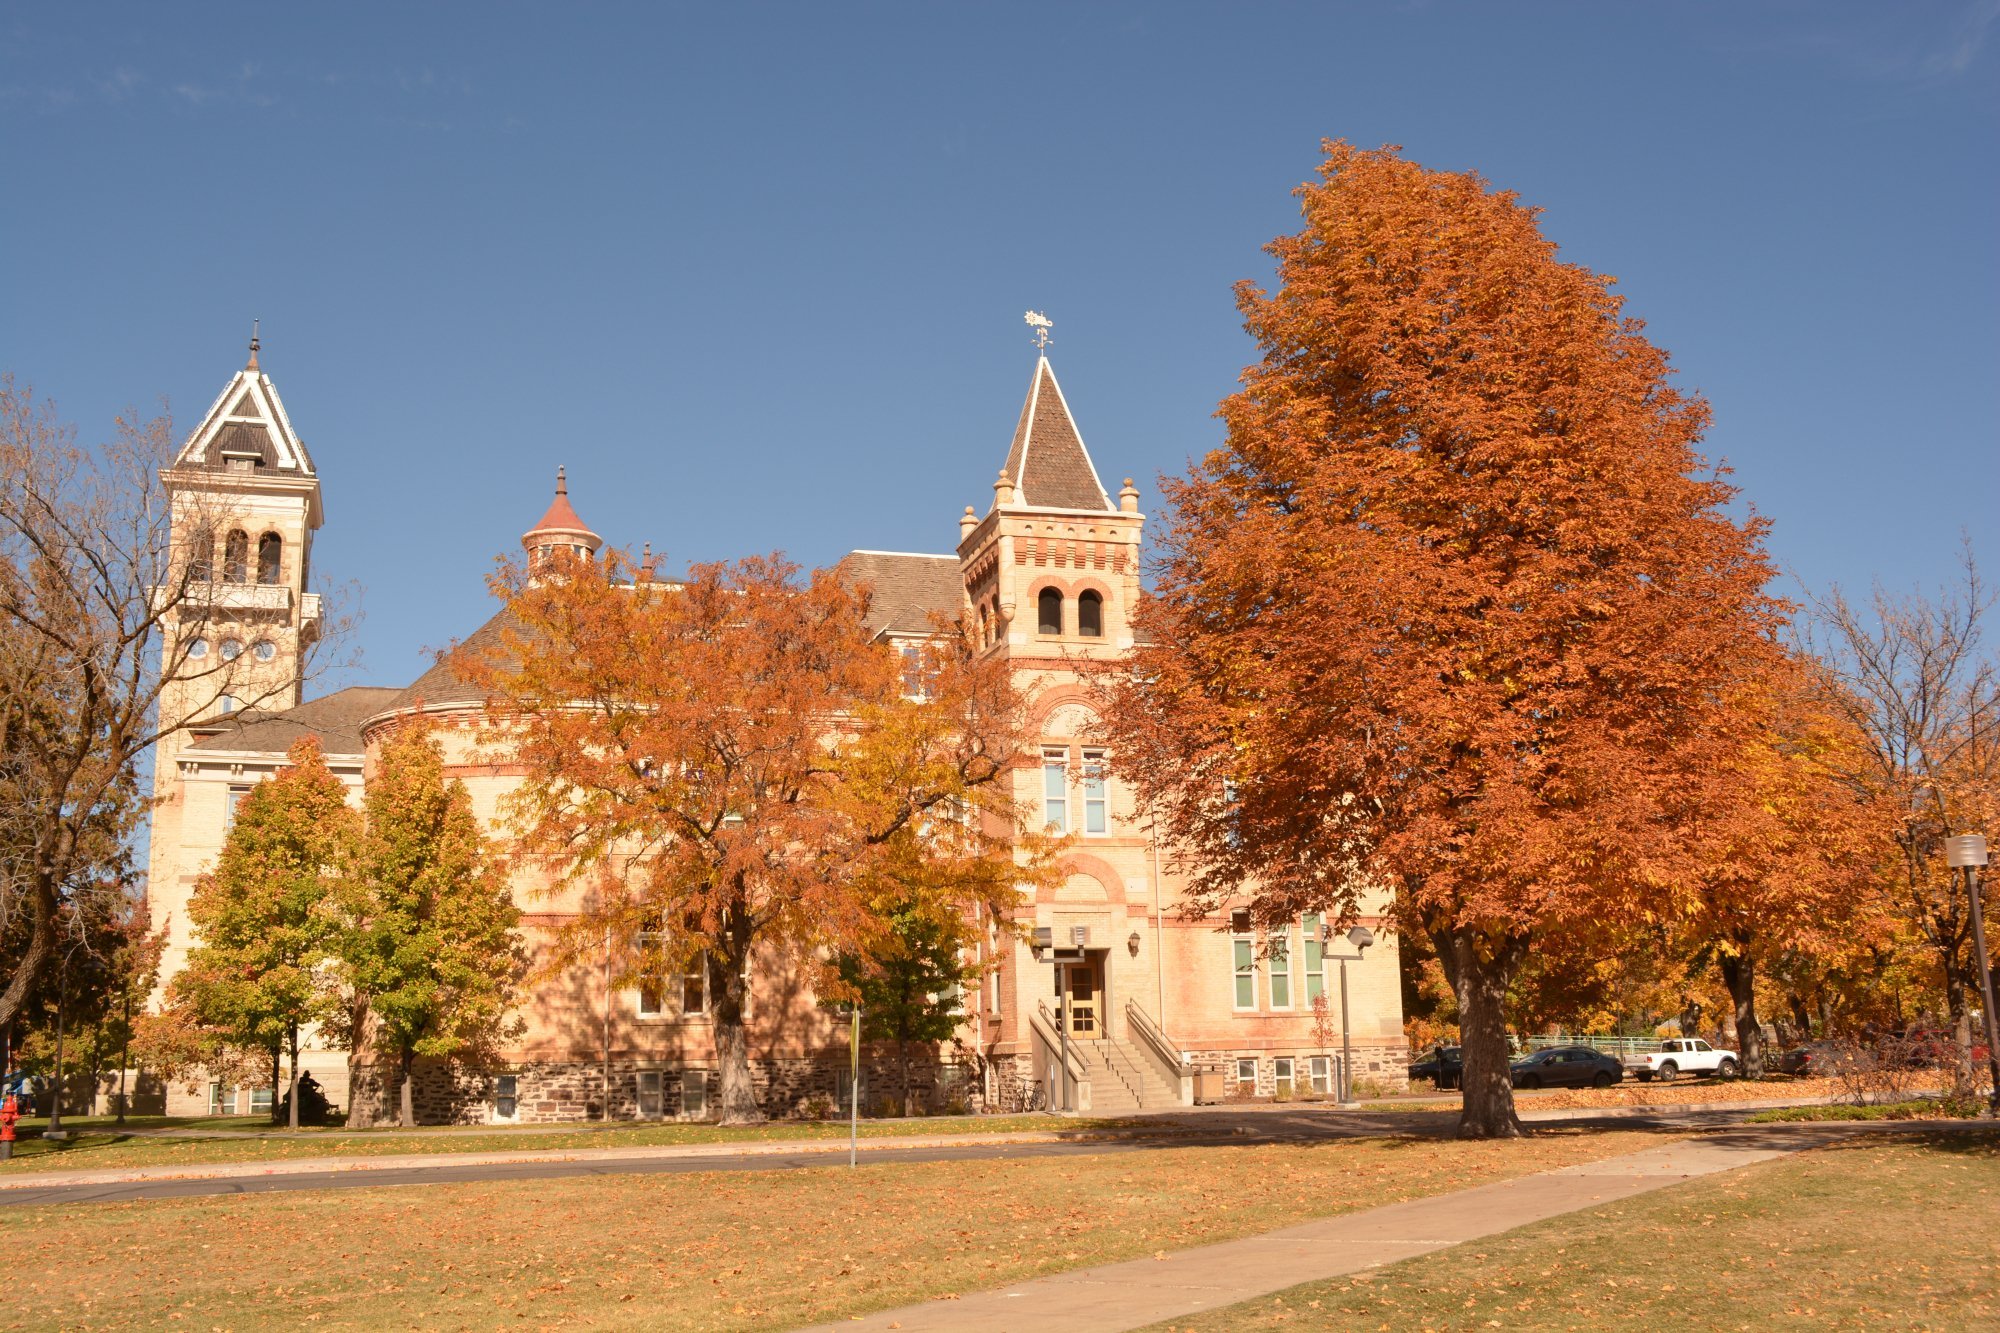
<point>98,1144</point>
<point>1897,1232</point>
<point>713,1250</point>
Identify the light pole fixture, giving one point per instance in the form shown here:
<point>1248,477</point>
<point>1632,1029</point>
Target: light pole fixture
<point>1967,852</point>
<point>1360,937</point>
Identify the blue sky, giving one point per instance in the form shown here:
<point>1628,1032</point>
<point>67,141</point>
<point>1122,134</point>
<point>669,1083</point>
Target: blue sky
<point>755,273</point>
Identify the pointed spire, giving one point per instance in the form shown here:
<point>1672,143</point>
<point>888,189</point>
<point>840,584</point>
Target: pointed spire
<point>561,527</point>
<point>1048,467</point>
<point>247,426</point>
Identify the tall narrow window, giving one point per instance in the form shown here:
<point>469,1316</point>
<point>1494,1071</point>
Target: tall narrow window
<point>650,1094</point>
<point>270,557</point>
<point>1094,815</point>
<point>912,658</point>
<point>1048,612</point>
<point>1315,959</point>
<point>1243,955</point>
<point>201,556</point>
<point>236,557</point>
<point>506,1096</point>
<point>652,990</point>
<point>1281,969</point>
<point>1090,615</point>
<point>1055,790</point>
<point>693,986</point>
<point>1282,1082</point>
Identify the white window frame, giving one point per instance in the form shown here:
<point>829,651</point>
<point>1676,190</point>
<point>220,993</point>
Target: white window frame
<point>232,803</point>
<point>1096,805</point>
<point>1278,948</point>
<point>1055,808</point>
<point>270,1096</point>
<point>1242,1082</point>
<point>697,1080</point>
<point>1242,962</point>
<point>1319,1069</point>
<point>1284,1076</point>
<point>1315,956</point>
<point>651,1085</point>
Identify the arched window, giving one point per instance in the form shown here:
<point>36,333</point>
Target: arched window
<point>985,628</point>
<point>1049,607</point>
<point>236,557</point>
<point>201,556</point>
<point>1090,615</point>
<point>270,557</point>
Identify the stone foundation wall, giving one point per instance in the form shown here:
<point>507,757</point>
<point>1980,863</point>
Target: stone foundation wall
<point>552,1092</point>
<point>1385,1066</point>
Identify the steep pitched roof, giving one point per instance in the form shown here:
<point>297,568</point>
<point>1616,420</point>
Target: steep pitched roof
<point>907,588</point>
<point>561,520</point>
<point>1048,464</point>
<point>334,718</point>
<point>441,685</point>
<point>247,421</point>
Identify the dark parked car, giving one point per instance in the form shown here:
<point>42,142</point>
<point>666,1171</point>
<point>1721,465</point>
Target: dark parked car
<point>1813,1059</point>
<point>1567,1067</point>
<point>1444,1066</point>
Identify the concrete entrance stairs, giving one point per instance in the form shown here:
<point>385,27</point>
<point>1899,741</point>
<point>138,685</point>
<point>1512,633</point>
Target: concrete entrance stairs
<point>1122,1080</point>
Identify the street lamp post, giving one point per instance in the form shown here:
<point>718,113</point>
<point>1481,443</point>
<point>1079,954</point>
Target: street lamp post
<point>1360,937</point>
<point>1968,852</point>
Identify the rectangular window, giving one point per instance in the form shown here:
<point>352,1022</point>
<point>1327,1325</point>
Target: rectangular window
<point>235,803</point>
<point>1095,813</point>
<point>1055,790</point>
<point>1315,958</point>
<point>650,1093</point>
<point>216,1103</point>
<point>260,1101</point>
<point>652,991</point>
<point>1231,800</point>
<point>1244,956</point>
<point>1246,1078</point>
<point>693,989</point>
<point>694,1093</point>
<point>1281,1076</point>
<point>1281,969</point>
<point>506,1097</point>
<point>1321,1068</point>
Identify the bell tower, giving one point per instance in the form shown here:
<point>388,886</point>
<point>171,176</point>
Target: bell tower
<point>245,504</point>
<point>1052,569</point>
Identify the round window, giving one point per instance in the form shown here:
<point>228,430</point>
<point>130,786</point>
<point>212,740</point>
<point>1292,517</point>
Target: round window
<point>231,649</point>
<point>198,649</point>
<point>265,650</point>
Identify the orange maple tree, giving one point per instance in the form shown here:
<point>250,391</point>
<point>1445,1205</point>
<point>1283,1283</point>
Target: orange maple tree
<point>731,766</point>
<point>1789,849</point>
<point>1452,610</point>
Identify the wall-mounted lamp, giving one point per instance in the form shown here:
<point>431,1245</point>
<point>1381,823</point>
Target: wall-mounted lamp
<point>1132,943</point>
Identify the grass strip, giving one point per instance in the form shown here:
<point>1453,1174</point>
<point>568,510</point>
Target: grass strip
<point>1877,1231</point>
<point>108,1148</point>
<point>1920,1108</point>
<point>714,1250</point>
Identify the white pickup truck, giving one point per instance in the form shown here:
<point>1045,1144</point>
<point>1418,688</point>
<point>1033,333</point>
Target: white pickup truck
<point>1682,1055</point>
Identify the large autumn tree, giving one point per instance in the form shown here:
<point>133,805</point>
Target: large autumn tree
<point>1789,848</point>
<point>266,920</point>
<point>1451,611</point>
<point>729,765</point>
<point>429,943</point>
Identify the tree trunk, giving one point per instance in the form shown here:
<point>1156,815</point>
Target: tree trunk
<point>1739,974</point>
<point>409,1108</point>
<point>903,1071</point>
<point>292,1093</point>
<point>277,1079</point>
<point>737,1093</point>
<point>1481,982</point>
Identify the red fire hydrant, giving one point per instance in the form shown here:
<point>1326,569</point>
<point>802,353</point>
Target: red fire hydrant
<point>10,1111</point>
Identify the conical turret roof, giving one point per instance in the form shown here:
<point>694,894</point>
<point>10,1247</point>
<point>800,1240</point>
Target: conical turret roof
<point>561,523</point>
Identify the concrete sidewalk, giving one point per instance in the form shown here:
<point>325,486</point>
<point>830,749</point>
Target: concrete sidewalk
<point>1140,1292</point>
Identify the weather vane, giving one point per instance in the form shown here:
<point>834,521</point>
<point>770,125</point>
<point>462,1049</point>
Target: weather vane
<point>1041,324</point>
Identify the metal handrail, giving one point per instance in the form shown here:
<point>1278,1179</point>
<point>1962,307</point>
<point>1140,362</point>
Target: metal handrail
<point>1155,1041</point>
<point>1043,1024</point>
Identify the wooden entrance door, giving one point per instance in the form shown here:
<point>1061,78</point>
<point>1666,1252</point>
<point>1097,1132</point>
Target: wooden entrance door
<point>1083,1001</point>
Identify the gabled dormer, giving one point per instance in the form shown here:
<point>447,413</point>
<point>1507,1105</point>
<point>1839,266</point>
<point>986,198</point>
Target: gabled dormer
<point>1053,568</point>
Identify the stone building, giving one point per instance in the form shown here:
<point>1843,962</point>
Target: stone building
<point>1154,1004</point>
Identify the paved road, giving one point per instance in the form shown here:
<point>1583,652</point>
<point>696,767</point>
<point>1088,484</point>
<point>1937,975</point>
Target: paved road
<point>1195,1129</point>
